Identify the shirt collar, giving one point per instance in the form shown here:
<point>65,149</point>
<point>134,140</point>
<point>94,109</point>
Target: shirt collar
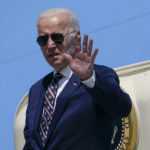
<point>66,72</point>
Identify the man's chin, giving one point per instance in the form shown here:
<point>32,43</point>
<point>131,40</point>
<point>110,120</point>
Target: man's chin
<point>57,66</point>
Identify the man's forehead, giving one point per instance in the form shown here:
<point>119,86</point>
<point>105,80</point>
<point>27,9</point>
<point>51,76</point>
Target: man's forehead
<point>53,21</point>
<point>57,18</point>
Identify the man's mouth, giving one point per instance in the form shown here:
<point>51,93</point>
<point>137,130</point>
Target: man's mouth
<point>52,55</point>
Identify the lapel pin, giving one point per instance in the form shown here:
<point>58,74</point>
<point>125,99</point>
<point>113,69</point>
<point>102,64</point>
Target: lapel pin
<point>74,83</point>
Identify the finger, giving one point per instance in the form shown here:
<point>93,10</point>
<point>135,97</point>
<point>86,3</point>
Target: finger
<point>84,45</point>
<point>78,44</point>
<point>90,47</point>
<point>68,58</point>
<point>95,54</point>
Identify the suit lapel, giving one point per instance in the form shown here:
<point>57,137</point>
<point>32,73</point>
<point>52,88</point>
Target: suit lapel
<point>37,115</point>
<point>62,101</point>
<point>40,98</point>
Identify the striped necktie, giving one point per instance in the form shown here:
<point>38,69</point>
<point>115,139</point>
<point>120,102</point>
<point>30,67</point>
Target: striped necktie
<point>48,108</point>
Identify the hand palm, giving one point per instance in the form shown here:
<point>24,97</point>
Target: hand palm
<point>82,64</point>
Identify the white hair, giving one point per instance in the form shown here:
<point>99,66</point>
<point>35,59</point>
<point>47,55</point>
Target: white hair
<point>73,22</point>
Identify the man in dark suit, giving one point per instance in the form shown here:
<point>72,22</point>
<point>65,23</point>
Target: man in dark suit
<point>80,115</point>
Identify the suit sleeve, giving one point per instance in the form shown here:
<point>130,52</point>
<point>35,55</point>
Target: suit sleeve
<point>108,95</point>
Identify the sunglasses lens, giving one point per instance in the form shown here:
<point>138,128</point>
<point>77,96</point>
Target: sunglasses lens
<point>57,37</point>
<point>42,40</point>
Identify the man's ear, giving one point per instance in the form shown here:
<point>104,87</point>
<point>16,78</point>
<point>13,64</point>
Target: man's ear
<point>77,33</point>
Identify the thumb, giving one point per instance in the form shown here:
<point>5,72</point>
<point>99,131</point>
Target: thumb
<point>68,58</point>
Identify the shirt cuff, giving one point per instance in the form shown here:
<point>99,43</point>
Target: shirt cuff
<point>90,82</point>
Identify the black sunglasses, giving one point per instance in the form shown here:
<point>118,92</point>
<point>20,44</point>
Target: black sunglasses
<point>56,37</point>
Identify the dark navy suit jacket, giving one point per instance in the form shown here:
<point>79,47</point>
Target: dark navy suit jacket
<point>83,117</point>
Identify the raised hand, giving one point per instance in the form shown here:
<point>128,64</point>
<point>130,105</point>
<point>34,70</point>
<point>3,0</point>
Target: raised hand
<point>83,63</point>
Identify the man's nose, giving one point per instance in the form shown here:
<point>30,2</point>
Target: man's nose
<point>50,43</point>
<point>50,46</point>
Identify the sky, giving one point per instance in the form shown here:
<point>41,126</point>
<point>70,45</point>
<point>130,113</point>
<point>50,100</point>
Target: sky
<point>119,28</point>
